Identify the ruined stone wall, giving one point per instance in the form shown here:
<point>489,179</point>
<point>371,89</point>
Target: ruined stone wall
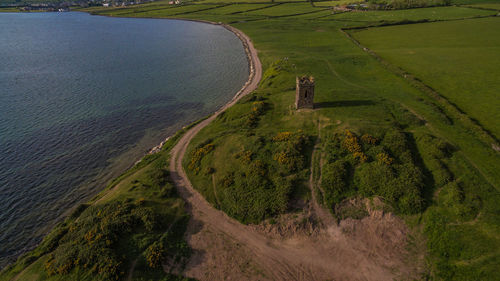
<point>304,93</point>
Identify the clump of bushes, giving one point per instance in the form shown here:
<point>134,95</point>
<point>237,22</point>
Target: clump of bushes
<point>368,167</point>
<point>290,150</point>
<point>197,155</point>
<point>262,180</point>
<point>384,158</point>
<point>155,254</point>
<point>351,143</point>
<point>95,240</point>
<point>257,109</point>
<point>335,181</point>
<point>245,156</point>
<point>368,139</point>
<point>90,241</point>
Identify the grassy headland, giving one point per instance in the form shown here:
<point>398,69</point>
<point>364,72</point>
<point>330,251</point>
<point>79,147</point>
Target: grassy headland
<point>379,134</point>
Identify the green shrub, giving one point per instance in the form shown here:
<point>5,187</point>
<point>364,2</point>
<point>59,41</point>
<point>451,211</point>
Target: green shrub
<point>375,173</point>
<point>396,142</point>
<point>197,155</point>
<point>155,254</point>
<point>290,150</point>
<point>335,181</point>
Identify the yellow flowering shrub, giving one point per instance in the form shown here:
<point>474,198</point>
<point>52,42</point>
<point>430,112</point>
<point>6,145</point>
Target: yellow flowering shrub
<point>244,155</point>
<point>282,136</point>
<point>197,155</point>
<point>155,254</point>
<point>384,158</point>
<point>369,139</point>
<point>351,143</point>
<point>360,156</point>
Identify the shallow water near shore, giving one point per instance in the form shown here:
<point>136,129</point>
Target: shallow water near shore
<point>83,97</point>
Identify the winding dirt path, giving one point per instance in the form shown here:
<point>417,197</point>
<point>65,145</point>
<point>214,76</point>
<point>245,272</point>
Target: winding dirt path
<point>323,214</point>
<point>225,249</point>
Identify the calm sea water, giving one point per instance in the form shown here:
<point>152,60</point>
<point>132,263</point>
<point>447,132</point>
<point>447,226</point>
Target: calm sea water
<point>83,97</point>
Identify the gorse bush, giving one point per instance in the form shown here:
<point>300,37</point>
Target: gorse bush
<point>290,148</point>
<point>364,166</point>
<point>257,109</point>
<point>197,155</point>
<point>143,220</point>
<point>90,240</point>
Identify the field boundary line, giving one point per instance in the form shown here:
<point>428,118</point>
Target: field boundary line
<point>405,22</point>
<point>449,107</point>
<point>479,8</point>
<point>256,9</point>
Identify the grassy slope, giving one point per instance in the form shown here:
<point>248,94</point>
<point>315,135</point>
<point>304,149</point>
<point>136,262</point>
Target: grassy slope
<point>462,66</point>
<point>354,91</point>
<point>144,187</point>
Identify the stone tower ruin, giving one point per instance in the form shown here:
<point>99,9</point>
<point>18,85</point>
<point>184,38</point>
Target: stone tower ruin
<point>304,93</point>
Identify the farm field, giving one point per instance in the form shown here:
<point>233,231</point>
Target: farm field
<point>434,13</point>
<point>335,3</point>
<point>286,9</point>
<point>494,6</point>
<point>231,9</point>
<point>372,134</point>
<point>459,59</point>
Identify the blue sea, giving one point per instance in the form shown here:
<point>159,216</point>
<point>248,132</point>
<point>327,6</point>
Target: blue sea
<point>84,97</point>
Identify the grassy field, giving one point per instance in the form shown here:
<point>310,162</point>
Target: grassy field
<point>9,10</point>
<point>493,6</point>
<point>459,59</point>
<point>378,134</point>
<point>434,13</point>
<point>129,229</point>
<point>285,9</point>
<point>335,3</point>
<point>235,9</point>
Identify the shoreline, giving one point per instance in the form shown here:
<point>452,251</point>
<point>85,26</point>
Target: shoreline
<point>245,40</point>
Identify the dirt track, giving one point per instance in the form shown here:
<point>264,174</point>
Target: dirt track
<point>224,249</point>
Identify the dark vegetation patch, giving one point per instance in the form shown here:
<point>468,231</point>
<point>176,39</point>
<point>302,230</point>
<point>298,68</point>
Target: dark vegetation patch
<point>368,166</point>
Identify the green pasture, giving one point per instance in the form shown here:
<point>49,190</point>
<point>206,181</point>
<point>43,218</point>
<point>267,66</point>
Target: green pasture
<point>246,1</point>
<point>285,9</point>
<point>335,3</point>
<point>459,59</point>
<point>493,6</point>
<point>236,8</point>
<point>9,10</point>
<point>434,13</point>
